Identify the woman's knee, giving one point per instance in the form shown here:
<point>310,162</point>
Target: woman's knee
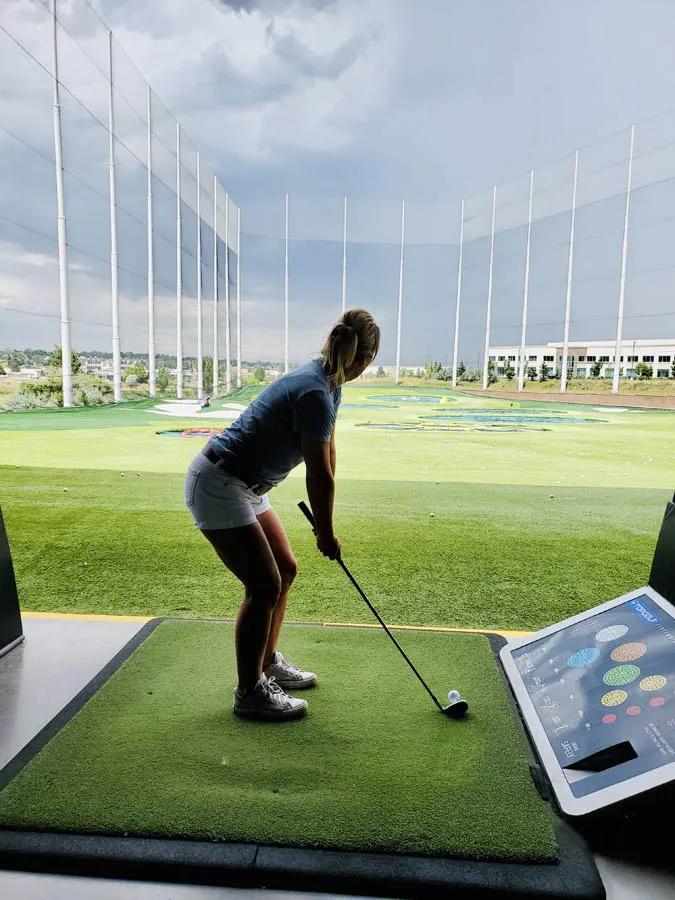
<point>265,589</point>
<point>288,569</point>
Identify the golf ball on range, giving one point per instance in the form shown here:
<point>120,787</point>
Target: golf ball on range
<point>453,696</point>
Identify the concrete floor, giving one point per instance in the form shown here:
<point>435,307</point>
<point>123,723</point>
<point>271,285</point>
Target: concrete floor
<point>57,659</point>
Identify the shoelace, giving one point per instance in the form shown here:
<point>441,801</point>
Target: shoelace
<point>288,667</point>
<point>274,691</point>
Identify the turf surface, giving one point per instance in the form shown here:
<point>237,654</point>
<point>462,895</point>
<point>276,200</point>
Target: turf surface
<point>372,767</point>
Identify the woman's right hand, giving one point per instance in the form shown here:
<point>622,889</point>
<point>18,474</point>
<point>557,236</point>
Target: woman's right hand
<point>328,545</point>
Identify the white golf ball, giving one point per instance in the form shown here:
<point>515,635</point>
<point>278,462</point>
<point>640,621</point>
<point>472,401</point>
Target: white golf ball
<point>454,696</point>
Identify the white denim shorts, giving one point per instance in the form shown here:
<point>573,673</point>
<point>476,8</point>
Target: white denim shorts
<point>217,499</point>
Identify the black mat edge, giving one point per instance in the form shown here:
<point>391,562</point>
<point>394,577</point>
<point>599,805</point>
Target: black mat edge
<point>574,877</point>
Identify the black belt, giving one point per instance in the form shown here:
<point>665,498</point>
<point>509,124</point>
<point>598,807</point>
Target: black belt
<point>231,468</point>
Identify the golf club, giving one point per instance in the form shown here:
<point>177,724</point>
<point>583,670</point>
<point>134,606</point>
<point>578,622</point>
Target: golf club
<point>457,707</point>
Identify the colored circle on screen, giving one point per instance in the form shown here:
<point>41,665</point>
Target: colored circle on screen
<point>609,718</point>
<point>614,698</point>
<point>628,652</point>
<point>611,633</point>
<point>634,710</point>
<point>653,683</point>
<point>583,657</point>
<point>657,701</point>
<point>620,675</point>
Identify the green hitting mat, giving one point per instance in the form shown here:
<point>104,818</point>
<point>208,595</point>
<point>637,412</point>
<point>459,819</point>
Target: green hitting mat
<point>373,766</point>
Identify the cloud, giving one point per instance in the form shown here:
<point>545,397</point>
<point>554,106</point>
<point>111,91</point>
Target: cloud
<point>291,49</point>
<point>273,6</point>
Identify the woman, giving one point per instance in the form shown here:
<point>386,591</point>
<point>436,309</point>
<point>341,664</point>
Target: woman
<point>226,491</point>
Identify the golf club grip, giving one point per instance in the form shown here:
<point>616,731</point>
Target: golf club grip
<point>310,518</point>
<point>306,510</point>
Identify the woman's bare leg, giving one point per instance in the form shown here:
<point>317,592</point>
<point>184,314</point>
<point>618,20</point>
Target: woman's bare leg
<point>247,554</point>
<point>288,569</point>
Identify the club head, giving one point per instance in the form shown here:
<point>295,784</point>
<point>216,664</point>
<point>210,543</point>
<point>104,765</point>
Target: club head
<point>456,710</point>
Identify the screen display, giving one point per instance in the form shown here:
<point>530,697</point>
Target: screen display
<point>604,692</point>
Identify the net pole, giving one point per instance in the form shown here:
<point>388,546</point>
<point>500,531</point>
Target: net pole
<point>344,258</point>
<point>526,289</point>
<point>152,368</point>
<point>228,360</point>
<point>570,268</point>
<point>200,338</point>
<point>238,297</point>
<point>216,361</point>
<point>179,275</point>
<point>61,224</point>
<point>459,294</point>
<point>488,315</point>
<point>624,258</point>
<point>400,295</point>
<point>114,255</point>
<point>286,291</point>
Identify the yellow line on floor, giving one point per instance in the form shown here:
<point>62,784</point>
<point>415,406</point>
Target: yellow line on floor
<point>82,617</point>
<point>102,618</point>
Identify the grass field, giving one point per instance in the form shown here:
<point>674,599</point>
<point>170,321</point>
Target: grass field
<point>533,521</point>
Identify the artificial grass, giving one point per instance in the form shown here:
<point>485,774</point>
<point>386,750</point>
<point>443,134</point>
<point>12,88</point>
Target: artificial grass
<point>493,556</point>
<point>373,766</point>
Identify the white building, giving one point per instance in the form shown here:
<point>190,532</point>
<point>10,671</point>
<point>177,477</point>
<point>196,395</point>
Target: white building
<point>582,355</point>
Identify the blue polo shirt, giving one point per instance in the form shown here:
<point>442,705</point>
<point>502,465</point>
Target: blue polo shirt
<point>264,443</point>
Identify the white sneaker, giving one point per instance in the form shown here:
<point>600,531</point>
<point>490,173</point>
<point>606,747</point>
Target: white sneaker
<point>287,675</point>
<point>267,701</point>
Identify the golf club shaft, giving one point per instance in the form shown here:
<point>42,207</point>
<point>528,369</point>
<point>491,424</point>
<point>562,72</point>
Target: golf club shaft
<point>303,506</point>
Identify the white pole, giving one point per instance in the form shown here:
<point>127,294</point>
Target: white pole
<point>228,361</point>
<point>66,359</point>
<point>114,258</point>
<point>459,294</point>
<point>344,259</point>
<point>489,298</point>
<point>400,295</point>
<point>152,369</point>
<point>570,264</point>
<point>624,257</point>
<point>215,287</point>
<point>286,294</point>
<point>200,349</point>
<point>238,297</point>
<point>526,291</point>
<point>179,275</point>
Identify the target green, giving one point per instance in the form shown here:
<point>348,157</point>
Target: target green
<point>621,675</point>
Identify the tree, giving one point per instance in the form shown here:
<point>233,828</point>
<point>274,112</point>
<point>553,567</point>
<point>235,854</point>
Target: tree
<point>472,374</point>
<point>672,370</point>
<point>509,371</point>
<point>432,367</point>
<point>207,374</point>
<point>259,373</point>
<point>461,369</point>
<point>644,371</point>
<point>544,372</point>
<point>2,369</point>
<point>532,373</point>
<point>163,378</point>
<point>380,372</point>
<point>139,371</point>
<point>596,368</point>
<point>492,374</point>
<point>56,359</point>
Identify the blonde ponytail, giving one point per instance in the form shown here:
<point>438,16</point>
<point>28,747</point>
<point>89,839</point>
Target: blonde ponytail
<point>354,335</point>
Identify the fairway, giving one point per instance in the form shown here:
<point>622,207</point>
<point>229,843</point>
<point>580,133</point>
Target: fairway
<point>528,526</point>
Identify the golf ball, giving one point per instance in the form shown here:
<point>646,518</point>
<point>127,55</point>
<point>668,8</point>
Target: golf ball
<point>453,696</point>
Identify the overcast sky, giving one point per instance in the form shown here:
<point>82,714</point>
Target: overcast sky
<point>379,100</point>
